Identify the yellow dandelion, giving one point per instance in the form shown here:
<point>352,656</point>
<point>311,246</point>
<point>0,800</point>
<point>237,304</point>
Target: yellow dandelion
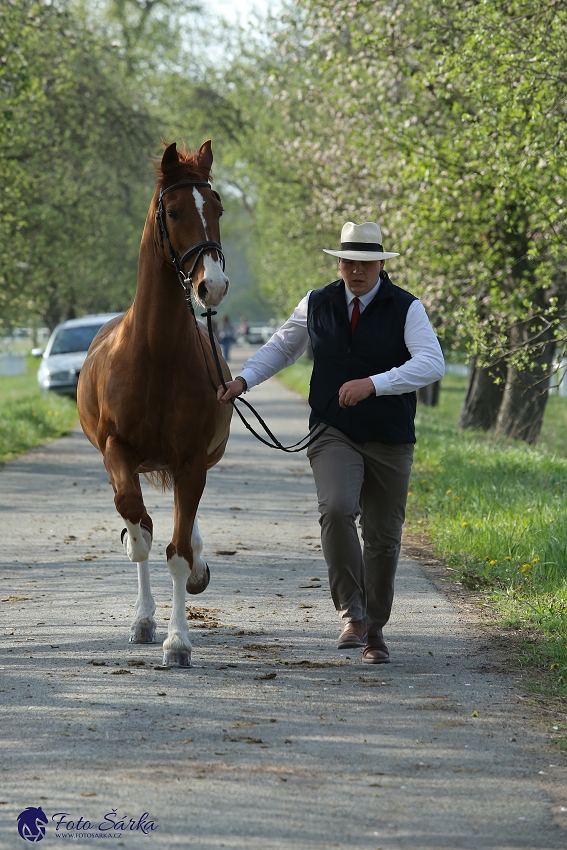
<point>424,480</point>
<point>448,491</point>
<point>458,498</point>
<point>553,666</point>
<point>464,524</point>
<point>420,522</point>
<point>507,558</point>
<point>493,561</point>
<point>526,568</point>
<point>410,493</point>
<point>535,560</point>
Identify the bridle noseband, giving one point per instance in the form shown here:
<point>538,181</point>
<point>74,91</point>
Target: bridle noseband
<point>198,249</point>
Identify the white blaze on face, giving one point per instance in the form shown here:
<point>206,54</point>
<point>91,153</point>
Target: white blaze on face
<point>200,203</point>
<point>214,280</point>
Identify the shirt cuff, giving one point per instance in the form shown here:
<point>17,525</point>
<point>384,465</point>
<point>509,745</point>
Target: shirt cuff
<point>381,382</point>
<point>249,376</point>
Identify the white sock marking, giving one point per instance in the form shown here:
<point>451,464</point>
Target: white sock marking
<point>137,542</point>
<point>145,606</point>
<point>199,566</point>
<point>178,631</point>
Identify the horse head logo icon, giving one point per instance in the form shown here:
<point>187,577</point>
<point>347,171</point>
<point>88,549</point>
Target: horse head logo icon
<point>31,824</point>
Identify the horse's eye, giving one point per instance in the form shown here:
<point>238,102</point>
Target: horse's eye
<point>172,214</point>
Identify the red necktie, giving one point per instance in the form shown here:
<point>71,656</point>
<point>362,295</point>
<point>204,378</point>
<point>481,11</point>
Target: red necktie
<point>355,314</point>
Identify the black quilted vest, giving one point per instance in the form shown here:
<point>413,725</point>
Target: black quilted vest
<point>377,345</point>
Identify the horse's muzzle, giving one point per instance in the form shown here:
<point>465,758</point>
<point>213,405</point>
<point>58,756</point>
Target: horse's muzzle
<point>212,292</point>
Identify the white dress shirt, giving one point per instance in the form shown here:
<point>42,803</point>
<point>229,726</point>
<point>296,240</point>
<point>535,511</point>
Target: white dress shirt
<point>425,365</point>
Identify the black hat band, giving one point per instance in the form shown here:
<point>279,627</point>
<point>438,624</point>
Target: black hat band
<point>361,246</point>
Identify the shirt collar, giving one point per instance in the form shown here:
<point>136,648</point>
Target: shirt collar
<point>364,299</point>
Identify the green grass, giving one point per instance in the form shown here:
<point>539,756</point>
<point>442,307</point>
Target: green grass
<point>496,513</point>
<point>28,418</point>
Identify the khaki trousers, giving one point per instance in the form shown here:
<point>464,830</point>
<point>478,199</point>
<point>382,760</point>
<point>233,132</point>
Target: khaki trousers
<point>370,479</point>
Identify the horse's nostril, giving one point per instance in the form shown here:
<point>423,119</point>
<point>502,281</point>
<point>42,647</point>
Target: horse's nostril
<point>202,291</point>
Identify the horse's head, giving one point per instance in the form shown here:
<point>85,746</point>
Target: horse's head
<point>188,216</point>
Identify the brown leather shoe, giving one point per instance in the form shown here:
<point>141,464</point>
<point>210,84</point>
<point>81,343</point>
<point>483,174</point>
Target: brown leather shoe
<point>352,635</point>
<point>375,650</point>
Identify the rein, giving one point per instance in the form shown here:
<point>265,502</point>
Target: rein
<point>275,444</point>
<point>186,281</point>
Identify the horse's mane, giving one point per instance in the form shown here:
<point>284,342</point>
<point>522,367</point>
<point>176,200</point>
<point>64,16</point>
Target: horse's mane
<point>187,167</point>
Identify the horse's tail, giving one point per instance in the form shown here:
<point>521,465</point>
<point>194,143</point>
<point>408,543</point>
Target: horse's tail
<point>162,479</point>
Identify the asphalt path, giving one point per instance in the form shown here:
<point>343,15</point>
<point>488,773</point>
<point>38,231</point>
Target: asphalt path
<point>273,740</point>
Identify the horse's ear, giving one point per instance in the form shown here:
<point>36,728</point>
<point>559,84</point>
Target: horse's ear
<point>206,155</point>
<point>169,156</point>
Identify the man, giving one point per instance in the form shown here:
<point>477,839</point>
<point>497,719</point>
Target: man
<point>373,345</point>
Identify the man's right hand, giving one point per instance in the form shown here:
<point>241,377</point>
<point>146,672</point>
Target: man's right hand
<point>233,389</point>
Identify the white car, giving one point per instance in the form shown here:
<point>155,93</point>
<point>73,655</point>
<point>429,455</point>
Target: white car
<point>65,353</point>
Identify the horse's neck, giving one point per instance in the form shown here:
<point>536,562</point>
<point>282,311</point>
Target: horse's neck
<point>160,313</point>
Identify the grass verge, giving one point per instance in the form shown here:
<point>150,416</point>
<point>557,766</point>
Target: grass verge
<point>28,418</point>
<point>496,513</point>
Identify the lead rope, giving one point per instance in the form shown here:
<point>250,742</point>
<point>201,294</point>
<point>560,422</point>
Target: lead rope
<point>311,437</point>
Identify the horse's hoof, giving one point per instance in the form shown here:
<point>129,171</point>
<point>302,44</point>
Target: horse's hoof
<point>143,634</point>
<point>176,658</point>
<point>202,585</point>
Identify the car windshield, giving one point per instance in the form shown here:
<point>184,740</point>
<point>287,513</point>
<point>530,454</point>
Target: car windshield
<point>74,339</point>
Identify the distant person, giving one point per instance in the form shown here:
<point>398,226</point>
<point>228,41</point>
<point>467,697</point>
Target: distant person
<point>226,336</point>
<point>243,328</point>
<point>373,346</point>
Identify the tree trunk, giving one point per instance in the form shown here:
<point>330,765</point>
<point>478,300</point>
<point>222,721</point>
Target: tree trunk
<point>526,393</point>
<point>483,399</point>
<point>429,395</point>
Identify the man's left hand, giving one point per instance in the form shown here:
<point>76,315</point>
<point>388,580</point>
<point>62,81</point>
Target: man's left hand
<point>354,391</point>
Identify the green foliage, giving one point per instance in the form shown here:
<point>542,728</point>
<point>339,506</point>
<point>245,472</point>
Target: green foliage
<point>444,121</point>
<point>71,162</point>
<point>28,418</point>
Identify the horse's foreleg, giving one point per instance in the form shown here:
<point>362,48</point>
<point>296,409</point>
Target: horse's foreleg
<point>137,536</point>
<point>121,464</point>
<point>181,561</point>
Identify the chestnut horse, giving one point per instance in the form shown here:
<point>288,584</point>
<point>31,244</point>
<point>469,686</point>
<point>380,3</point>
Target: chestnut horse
<point>145,395</point>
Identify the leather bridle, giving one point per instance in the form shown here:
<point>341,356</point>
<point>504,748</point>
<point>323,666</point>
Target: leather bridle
<point>199,249</point>
<point>186,282</point>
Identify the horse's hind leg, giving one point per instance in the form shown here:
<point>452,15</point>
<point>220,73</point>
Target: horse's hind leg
<point>143,627</point>
<point>200,575</point>
<point>136,537</point>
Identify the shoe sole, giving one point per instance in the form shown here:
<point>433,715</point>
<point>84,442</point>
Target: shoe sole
<point>376,660</point>
<point>351,644</point>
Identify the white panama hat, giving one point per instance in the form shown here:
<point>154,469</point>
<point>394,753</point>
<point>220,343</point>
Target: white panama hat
<point>361,242</point>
